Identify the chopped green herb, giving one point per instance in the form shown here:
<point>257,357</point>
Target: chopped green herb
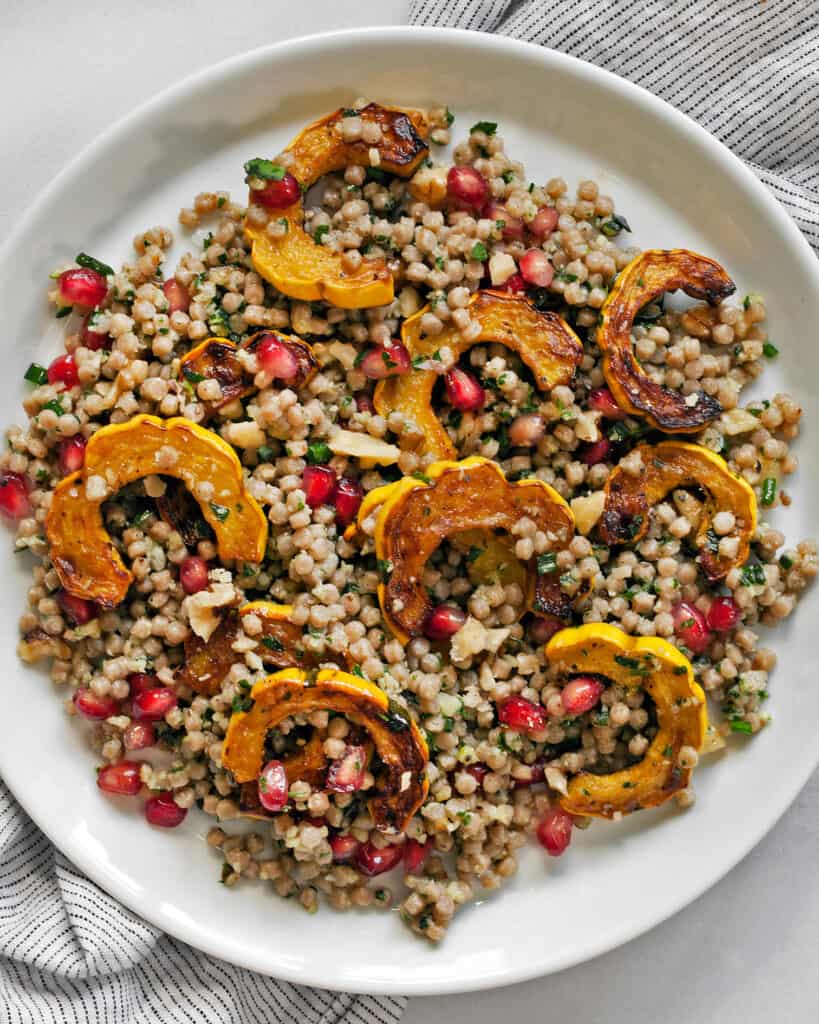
<point>614,225</point>
<point>55,405</point>
<point>752,575</point>
<point>487,127</point>
<point>320,232</point>
<point>474,554</point>
<point>786,561</point>
<point>546,563</point>
<point>768,491</point>
<point>479,252</point>
<point>680,670</point>
<point>508,176</point>
<point>272,643</point>
<point>450,117</point>
<point>769,350</point>
<point>264,169</point>
<point>627,662</point>
<point>264,453</point>
<point>318,453</point>
<point>63,311</point>
<point>385,567</point>
<point>418,475</point>
<point>376,174</point>
<point>668,751</point>
<point>740,726</point>
<point>90,263</point>
<point>36,374</point>
<point>220,511</point>
<point>192,375</point>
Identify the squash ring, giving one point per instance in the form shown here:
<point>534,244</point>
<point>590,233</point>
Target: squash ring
<point>295,264</point>
<point>666,674</point>
<point>217,359</point>
<point>543,340</point>
<point>398,741</point>
<point>646,278</point>
<point>82,552</point>
<point>416,517</point>
<point>667,466</point>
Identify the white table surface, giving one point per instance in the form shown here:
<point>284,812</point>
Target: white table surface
<point>744,952</point>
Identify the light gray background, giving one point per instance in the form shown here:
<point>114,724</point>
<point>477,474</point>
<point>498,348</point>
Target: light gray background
<point>745,952</point>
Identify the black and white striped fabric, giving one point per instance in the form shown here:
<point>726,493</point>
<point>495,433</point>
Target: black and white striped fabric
<point>70,954</point>
<point>747,70</point>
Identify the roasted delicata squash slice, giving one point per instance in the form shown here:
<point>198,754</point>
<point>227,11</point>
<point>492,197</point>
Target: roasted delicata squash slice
<point>220,359</point>
<point>83,553</point>
<point>402,784</point>
<point>665,673</point>
<point>644,279</point>
<point>280,643</point>
<point>543,340</point>
<point>678,464</point>
<point>416,516</point>
<point>295,263</point>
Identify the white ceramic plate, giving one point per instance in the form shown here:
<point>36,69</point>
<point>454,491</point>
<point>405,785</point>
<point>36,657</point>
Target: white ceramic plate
<point>678,187</point>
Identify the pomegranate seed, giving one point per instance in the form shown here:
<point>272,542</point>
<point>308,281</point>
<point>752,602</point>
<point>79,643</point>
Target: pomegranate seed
<point>723,614</point>
<point>373,861</point>
<point>344,847</point>
<point>468,186</point>
<point>64,371</point>
<point>382,361</point>
<point>527,430</point>
<point>444,622</point>
<point>14,500</point>
<point>153,705</point>
<point>276,358</point>
<point>463,390</point>
<point>163,811</point>
<point>514,284</point>
<point>543,627</point>
<point>193,574</point>
<point>177,295</point>
<point>139,682</point>
<point>121,778</point>
<point>93,340</point>
<point>277,194</point>
<point>513,227</point>
<point>71,454</point>
<point>535,268</point>
<point>602,400</point>
<point>544,222</point>
<point>78,609</point>
<point>346,773</point>
<point>690,627</point>
<point>477,771</point>
<point>521,715</point>
<point>348,496</point>
<point>536,774</point>
<point>91,705</point>
<point>138,736</point>
<point>597,452</point>
<point>273,786</point>
<point>82,287</point>
<point>581,694</point>
<point>415,854</point>
<point>319,485</point>
<point>363,402</point>
<point>554,833</point>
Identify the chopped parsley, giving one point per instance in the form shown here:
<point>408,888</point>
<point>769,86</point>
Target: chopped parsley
<point>36,374</point>
<point>768,491</point>
<point>320,232</point>
<point>450,117</point>
<point>220,511</point>
<point>546,563</point>
<point>487,127</point>
<point>55,406</point>
<point>385,567</point>
<point>272,643</point>
<point>318,453</point>
<point>479,252</point>
<point>739,726</point>
<point>90,263</point>
<point>752,575</point>
<point>264,453</point>
<point>769,350</point>
<point>614,225</point>
<point>264,169</point>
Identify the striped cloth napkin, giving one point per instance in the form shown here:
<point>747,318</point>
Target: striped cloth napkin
<point>70,954</point>
<point>747,70</point>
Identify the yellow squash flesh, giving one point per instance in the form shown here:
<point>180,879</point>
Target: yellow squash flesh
<point>403,785</point>
<point>667,466</point>
<point>543,340</point>
<point>81,549</point>
<point>665,673</point>
<point>645,279</point>
<point>296,264</point>
<point>416,517</point>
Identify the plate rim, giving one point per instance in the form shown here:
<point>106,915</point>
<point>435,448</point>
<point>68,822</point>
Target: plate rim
<point>632,93</point>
